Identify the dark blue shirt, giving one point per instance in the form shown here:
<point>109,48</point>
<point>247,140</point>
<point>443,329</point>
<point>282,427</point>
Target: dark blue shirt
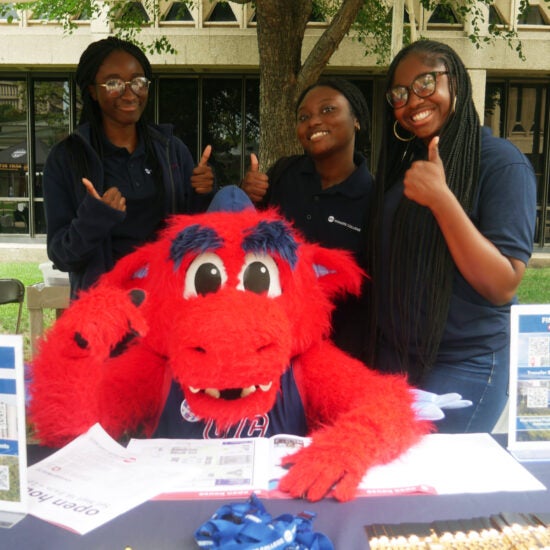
<point>334,217</point>
<point>134,178</point>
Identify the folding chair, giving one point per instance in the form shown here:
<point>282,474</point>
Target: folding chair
<point>12,291</point>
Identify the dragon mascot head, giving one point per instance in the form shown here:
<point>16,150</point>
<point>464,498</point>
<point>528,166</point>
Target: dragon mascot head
<point>220,328</point>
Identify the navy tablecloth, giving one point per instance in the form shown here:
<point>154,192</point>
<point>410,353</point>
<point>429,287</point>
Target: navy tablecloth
<point>163,525</point>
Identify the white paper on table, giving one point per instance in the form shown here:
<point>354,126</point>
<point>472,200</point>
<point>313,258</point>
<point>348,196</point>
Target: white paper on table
<point>201,468</point>
<point>88,482</point>
<point>451,464</point>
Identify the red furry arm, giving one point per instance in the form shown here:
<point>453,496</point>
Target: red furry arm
<point>366,418</point>
<point>86,369</point>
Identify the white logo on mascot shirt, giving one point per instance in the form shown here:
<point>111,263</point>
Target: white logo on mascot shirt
<point>186,412</point>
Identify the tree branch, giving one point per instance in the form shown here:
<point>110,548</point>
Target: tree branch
<point>319,56</point>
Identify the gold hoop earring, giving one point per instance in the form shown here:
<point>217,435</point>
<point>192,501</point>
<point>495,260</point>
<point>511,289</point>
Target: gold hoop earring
<point>398,136</point>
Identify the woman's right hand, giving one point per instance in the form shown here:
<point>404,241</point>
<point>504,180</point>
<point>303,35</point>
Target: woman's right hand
<point>255,183</point>
<point>112,197</point>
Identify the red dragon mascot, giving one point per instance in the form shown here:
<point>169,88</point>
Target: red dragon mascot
<point>220,329</point>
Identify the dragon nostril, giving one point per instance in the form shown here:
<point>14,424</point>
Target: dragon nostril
<point>199,349</point>
<point>81,342</point>
<point>264,348</point>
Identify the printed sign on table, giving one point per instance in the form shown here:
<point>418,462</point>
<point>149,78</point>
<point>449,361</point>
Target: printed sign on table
<point>529,412</point>
<point>13,438</point>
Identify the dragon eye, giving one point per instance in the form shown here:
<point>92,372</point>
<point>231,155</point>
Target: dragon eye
<point>205,275</point>
<point>260,274</point>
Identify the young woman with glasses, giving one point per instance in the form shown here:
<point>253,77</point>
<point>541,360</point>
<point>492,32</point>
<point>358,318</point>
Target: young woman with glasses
<point>110,184</point>
<point>451,231</point>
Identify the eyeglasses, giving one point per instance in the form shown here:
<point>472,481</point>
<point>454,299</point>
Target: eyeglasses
<point>422,86</point>
<point>115,87</point>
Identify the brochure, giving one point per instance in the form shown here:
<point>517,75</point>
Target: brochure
<point>439,464</point>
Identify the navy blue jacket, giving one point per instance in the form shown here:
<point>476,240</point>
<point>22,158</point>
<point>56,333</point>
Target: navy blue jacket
<point>79,227</point>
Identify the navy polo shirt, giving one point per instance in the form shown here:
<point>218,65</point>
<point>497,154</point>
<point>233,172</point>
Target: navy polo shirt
<point>334,217</point>
<point>133,176</point>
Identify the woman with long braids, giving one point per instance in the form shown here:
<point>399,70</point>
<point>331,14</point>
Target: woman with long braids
<point>451,232</point>
<point>110,184</point>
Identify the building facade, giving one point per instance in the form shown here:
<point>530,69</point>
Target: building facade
<point>209,89</point>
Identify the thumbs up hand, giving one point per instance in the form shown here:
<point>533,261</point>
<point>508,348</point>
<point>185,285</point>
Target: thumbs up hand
<point>255,183</point>
<point>425,180</point>
<point>202,178</point>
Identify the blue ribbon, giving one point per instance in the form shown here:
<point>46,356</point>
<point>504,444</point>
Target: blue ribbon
<point>248,526</point>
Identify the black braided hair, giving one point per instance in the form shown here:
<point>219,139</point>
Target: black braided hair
<point>421,268</point>
<point>357,102</point>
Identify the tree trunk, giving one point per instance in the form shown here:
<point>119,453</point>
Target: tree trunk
<point>280,31</point>
<point>281,27</point>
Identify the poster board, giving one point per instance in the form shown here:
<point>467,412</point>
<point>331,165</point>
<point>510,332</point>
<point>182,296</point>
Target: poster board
<point>529,403</point>
<point>13,436</point>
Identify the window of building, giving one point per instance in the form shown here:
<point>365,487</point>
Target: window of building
<point>443,16</point>
<point>13,155</point>
<point>221,13</point>
<point>517,111</point>
<point>223,126</point>
<point>8,13</point>
<point>179,105</point>
<point>532,15</point>
<point>178,12</point>
<point>495,18</point>
<point>136,11</point>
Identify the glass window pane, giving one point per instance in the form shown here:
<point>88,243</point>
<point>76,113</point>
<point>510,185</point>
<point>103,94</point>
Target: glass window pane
<point>51,124</point>
<point>178,12</point>
<point>494,108</point>
<point>222,12</point>
<point>252,119</point>
<point>178,105</point>
<point>223,128</point>
<point>525,128</point>
<point>13,155</point>
<point>366,86</point>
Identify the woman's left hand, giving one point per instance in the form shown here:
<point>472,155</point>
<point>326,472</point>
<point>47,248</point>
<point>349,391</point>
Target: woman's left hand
<point>425,181</point>
<point>202,178</point>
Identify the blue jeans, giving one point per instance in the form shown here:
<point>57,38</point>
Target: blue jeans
<point>483,380</point>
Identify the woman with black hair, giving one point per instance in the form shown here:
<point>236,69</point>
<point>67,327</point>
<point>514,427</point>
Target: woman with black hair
<point>110,184</point>
<point>325,191</point>
<point>451,232</point>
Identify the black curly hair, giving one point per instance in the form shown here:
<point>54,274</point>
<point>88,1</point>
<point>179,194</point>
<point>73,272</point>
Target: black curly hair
<point>420,266</point>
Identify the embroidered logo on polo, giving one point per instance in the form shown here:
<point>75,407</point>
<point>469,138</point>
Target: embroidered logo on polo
<point>332,219</point>
<point>254,427</point>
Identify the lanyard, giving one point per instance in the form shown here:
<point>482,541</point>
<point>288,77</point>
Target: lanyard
<point>248,526</point>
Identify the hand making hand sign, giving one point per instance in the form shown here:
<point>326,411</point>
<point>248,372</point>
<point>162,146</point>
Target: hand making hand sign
<point>202,178</point>
<point>255,183</point>
<point>425,181</point>
<point>112,197</point>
